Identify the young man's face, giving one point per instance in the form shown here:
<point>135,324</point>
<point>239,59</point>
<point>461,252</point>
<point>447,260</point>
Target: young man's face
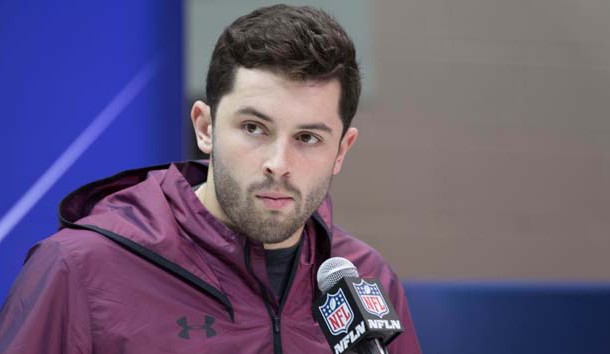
<point>275,145</point>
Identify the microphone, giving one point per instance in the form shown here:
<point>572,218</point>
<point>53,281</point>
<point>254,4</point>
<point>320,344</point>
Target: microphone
<point>355,314</point>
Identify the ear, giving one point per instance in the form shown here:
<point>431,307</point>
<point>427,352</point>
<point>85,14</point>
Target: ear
<point>346,143</point>
<point>202,124</point>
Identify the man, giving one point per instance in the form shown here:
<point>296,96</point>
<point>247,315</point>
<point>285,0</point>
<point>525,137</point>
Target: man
<point>218,258</point>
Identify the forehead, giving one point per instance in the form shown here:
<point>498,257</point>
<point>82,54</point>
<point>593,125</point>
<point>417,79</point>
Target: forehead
<point>281,97</point>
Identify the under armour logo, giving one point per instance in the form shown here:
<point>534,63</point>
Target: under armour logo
<point>186,328</point>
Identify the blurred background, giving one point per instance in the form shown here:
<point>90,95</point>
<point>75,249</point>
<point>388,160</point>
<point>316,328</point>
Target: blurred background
<point>482,170</point>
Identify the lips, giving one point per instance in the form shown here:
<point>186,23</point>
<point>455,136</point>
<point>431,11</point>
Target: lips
<point>274,200</point>
<point>273,195</point>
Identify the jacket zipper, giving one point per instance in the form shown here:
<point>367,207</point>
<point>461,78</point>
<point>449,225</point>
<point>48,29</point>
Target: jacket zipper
<point>277,337</point>
<point>276,320</point>
<point>275,317</point>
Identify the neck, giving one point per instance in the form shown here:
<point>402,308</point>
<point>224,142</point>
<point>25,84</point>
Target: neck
<point>206,195</point>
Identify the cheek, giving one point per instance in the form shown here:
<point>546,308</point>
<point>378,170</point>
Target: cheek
<point>240,165</point>
<point>315,176</point>
<point>233,151</point>
<point>318,163</point>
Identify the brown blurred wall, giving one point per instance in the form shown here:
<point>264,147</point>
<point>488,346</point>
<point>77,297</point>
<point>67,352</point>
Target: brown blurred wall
<point>485,151</point>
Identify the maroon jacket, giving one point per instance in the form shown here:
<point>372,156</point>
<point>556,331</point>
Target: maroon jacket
<point>141,266</point>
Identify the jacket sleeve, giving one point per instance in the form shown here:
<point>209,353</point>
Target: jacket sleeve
<point>46,310</point>
<point>406,342</point>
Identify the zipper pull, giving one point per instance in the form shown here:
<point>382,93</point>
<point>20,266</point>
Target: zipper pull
<point>276,324</point>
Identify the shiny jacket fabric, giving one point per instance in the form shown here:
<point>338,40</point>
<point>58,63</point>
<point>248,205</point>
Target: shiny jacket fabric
<point>140,266</point>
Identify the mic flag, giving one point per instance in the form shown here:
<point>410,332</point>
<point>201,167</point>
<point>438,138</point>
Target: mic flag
<point>355,310</point>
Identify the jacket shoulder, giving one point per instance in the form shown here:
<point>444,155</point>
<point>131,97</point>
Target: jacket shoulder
<point>36,316</point>
<point>368,260</point>
<point>77,247</point>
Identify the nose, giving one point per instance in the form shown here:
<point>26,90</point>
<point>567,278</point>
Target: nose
<point>278,162</point>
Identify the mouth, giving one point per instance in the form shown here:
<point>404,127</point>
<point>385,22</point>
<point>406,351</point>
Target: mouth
<point>273,200</point>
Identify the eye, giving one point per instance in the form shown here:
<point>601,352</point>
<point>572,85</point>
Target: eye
<point>253,128</point>
<point>308,139</point>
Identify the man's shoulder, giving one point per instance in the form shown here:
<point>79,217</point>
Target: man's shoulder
<point>365,257</point>
<point>343,240</point>
<point>74,247</point>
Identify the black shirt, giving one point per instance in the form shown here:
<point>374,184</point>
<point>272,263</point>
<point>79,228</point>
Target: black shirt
<point>279,266</point>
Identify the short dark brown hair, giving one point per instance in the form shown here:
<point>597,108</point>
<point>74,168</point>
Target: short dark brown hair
<point>303,43</point>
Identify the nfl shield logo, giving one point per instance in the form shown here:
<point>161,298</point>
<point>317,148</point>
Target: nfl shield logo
<point>370,296</point>
<point>337,313</point>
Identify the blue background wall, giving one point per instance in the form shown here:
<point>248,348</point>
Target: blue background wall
<point>510,317</point>
<point>113,72</point>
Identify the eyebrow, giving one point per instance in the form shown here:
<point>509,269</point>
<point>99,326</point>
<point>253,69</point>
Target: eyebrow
<point>254,112</point>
